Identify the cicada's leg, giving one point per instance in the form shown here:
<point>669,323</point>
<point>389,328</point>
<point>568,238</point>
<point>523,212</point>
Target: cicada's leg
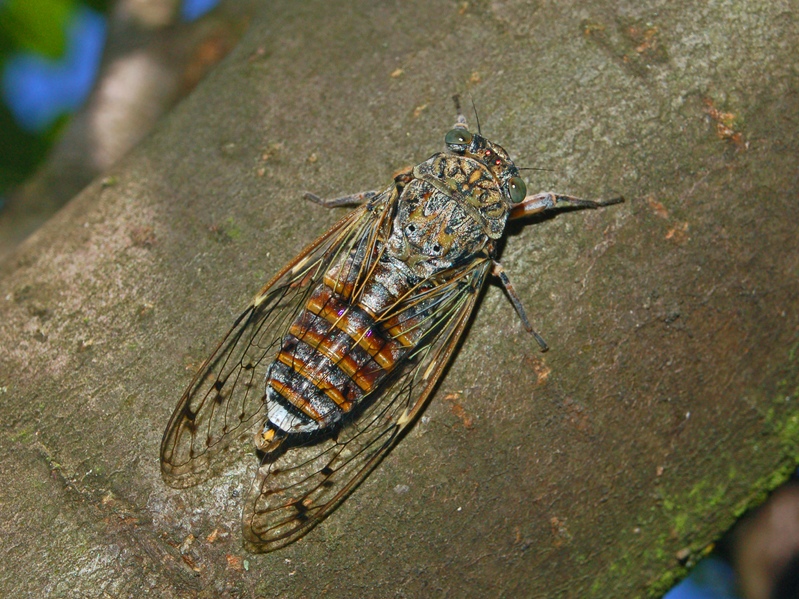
<point>541,202</point>
<point>499,271</point>
<point>354,199</point>
<point>401,179</point>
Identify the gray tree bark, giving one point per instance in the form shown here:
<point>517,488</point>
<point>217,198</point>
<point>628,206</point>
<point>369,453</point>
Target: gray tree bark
<point>666,407</point>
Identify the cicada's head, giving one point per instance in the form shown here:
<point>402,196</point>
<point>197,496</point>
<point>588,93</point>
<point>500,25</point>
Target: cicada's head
<point>463,142</point>
<point>478,175</point>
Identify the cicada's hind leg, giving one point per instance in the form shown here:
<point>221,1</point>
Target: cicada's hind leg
<point>542,202</point>
<point>499,272</point>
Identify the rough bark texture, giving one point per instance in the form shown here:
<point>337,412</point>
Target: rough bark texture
<point>666,406</point>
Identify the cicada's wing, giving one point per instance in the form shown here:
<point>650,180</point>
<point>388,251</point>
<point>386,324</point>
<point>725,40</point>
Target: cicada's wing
<point>297,488</point>
<point>225,400</point>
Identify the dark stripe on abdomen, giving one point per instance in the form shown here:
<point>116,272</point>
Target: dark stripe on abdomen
<point>333,356</point>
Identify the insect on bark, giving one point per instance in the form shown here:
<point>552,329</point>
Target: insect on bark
<point>338,353</point>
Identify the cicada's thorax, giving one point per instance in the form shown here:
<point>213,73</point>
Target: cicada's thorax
<point>360,323</point>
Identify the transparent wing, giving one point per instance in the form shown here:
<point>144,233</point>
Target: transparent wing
<point>297,487</point>
<point>225,400</point>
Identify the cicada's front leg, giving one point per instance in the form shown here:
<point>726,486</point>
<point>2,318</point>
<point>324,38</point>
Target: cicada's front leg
<point>401,178</point>
<point>355,199</point>
<point>541,202</point>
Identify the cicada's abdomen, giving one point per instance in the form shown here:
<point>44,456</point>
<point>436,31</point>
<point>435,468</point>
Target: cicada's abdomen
<point>339,349</point>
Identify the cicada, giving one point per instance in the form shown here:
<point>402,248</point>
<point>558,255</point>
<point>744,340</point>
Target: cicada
<point>335,357</point>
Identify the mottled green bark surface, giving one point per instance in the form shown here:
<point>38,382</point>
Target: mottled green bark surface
<point>666,406</point>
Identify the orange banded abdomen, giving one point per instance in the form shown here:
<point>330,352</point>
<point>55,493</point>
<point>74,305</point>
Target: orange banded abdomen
<point>335,354</point>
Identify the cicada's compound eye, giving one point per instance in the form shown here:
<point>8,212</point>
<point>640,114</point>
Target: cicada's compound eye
<point>517,189</point>
<point>457,139</point>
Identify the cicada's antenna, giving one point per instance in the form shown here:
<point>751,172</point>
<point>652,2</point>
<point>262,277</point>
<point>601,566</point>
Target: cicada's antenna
<point>476,117</point>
